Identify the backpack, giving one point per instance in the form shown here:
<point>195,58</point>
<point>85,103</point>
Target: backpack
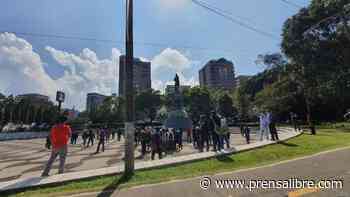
<point>222,129</point>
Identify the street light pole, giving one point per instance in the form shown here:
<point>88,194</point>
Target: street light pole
<point>129,91</point>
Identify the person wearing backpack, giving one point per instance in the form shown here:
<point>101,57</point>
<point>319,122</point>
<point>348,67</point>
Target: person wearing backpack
<point>221,129</point>
<point>224,132</point>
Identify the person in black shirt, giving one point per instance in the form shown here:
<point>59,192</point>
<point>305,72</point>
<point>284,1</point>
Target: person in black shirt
<point>246,133</point>
<point>48,142</point>
<point>102,140</point>
<point>113,133</point>
<point>156,144</point>
<point>143,136</point>
<point>91,137</point>
<point>211,127</point>
<point>204,132</point>
<point>273,131</point>
<point>119,134</point>
<point>85,136</point>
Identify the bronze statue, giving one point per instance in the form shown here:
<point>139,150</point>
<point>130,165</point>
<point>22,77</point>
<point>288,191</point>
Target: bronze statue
<point>177,82</point>
<point>177,116</point>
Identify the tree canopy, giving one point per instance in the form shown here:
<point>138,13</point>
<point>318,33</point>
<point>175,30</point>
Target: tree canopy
<point>147,104</point>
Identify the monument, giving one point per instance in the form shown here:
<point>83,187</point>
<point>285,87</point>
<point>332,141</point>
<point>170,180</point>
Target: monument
<point>177,116</point>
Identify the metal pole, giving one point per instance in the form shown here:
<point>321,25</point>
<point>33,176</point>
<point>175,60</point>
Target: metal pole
<point>129,91</point>
<point>59,106</point>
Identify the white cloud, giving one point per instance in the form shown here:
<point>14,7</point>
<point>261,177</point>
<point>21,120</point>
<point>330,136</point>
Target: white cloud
<point>22,71</point>
<point>170,59</point>
<point>87,73</point>
<point>192,81</point>
<point>158,85</point>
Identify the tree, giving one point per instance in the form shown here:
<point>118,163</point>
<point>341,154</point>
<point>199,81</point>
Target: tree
<point>243,104</point>
<point>2,108</point>
<point>226,106</point>
<point>147,104</point>
<point>279,98</point>
<point>271,61</point>
<point>316,40</point>
<point>198,101</point>
<point>110,111</point>
<point>9,108</point>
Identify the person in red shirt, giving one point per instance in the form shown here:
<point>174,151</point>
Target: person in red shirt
<point>59,137</point>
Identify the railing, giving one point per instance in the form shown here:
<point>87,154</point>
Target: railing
<point>22,135</point>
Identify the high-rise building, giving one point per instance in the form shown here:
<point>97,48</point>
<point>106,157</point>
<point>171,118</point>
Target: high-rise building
<point>34,98</point>
<point>217,74</point>
<point>93,101</point>
<point>142,75</point>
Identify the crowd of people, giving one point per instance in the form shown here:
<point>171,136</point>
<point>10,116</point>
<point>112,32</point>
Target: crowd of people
<point>102,135</point>
<point>267,127</point>
<point>59,136</point>
<point>211,131</point>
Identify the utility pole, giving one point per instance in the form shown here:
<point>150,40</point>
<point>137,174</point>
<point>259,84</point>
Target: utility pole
<point>59,107</point>
<point>129,91</point>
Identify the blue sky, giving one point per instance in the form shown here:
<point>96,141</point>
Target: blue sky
<point>171,23</point>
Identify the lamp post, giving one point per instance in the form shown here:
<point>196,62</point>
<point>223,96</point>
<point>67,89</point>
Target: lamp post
<point>129,91</point>
<point>60,97</point>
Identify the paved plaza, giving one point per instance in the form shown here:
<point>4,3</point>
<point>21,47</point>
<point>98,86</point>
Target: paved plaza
<point>26,158</point>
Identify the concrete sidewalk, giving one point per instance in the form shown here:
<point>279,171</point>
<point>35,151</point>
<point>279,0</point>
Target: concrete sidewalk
<point>285,133</point>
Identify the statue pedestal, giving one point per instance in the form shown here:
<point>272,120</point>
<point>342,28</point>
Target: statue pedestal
<point>178,119</point>
<point>177,116</point>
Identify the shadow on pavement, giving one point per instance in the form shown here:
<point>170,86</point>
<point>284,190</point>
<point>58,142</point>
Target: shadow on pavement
<point>287,144</point>
<point>111,188</point>
<point>224,158</point>
<point>10,189</point>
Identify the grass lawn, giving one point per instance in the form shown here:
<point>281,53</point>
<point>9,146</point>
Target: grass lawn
<point>305,144</point>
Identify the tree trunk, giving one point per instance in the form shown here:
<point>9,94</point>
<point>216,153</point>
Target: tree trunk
<point>27,115</point>
<point>11,115</point>
<point>347,29</point>
<point>308,111</point>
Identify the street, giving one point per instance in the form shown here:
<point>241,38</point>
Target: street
<point>332,165</point>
